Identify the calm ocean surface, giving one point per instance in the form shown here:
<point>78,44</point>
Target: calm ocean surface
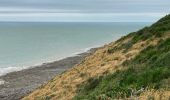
<point>28,44</point>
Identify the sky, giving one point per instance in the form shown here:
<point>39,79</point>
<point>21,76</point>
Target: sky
<point>83,10</point>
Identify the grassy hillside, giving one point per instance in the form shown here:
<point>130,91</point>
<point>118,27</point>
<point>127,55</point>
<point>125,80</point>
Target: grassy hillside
<point>135,66</point>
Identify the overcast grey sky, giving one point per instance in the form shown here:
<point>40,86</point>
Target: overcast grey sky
<point>83,10</point>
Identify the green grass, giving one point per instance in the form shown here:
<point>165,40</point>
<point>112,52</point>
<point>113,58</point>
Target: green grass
<point>149,69</point>
<point>142,73</point>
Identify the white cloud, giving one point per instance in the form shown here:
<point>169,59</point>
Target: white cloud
<point>81,17</point>
<point>26,10</point>
<point>83,10</point>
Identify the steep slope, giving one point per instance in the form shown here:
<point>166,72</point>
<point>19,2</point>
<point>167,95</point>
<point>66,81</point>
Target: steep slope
<point>136,65</point>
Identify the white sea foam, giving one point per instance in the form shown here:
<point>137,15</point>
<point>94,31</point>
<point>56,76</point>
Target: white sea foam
<point>2,82</point>
<point>7,69</point>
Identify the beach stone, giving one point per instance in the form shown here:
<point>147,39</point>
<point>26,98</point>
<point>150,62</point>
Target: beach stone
<point>15,85</point>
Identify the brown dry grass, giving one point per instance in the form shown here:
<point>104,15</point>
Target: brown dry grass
<point>64,86</point>
<point>152,95</point>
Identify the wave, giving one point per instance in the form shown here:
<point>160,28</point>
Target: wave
<point>2,82</point>
<point>8,69</point>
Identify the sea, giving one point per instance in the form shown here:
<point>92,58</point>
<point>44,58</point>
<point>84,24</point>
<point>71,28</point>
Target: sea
<point>27,44</point>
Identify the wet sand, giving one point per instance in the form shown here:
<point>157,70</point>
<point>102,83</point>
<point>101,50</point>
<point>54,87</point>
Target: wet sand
<point>20,83</point>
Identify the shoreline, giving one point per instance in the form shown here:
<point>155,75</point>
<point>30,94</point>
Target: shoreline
<point>15,85</point>
<point>25,67</point>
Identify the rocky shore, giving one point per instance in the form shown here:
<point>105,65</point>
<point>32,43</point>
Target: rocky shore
<point>15,85</point>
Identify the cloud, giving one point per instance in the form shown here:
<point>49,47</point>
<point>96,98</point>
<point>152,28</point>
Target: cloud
<point>100,6</point>
<point>90,10</point>
<point>81,17</point>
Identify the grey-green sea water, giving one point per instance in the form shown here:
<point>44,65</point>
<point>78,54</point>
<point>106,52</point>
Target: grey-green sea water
<point>24,44</point>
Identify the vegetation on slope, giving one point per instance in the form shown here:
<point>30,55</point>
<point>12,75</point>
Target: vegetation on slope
<point>141,74</point>
<point>149,69</point>
<point>135,65</point>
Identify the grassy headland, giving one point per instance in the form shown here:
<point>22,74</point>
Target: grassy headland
<point>135,66</point>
